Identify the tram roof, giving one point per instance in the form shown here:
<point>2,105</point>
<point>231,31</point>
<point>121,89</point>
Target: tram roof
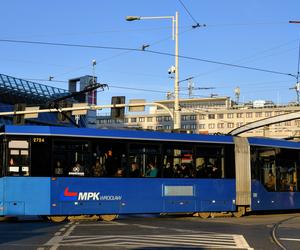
<point>117,134</point>
<point>139,135</point>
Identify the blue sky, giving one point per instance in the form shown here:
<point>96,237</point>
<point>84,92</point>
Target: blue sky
<point>252,33</point>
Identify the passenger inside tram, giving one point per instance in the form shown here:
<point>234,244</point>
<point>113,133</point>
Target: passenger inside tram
<point>270,184</point>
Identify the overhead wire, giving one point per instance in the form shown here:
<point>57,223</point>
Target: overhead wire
<point>148,51</point>
<point>189,13</point>
<point>223,63</point>
<point>113,85</point>
<point>246,59</point>
<point>121,54</point>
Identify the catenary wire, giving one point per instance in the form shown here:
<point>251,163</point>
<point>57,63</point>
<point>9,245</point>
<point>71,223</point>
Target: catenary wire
<point>148,51</point>
<point>119,54</point>
<point>189,13</point>
<point>256,56</point>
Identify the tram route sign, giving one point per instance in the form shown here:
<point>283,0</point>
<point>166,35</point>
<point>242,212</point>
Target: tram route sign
<point>79,112</point>
<point>137,108</point>
<point>32,115</point>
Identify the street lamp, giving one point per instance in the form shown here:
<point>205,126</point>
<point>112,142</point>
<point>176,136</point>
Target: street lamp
<point>177,118</point>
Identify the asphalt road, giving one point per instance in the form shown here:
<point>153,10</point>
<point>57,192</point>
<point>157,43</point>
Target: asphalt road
<point>276,231</point>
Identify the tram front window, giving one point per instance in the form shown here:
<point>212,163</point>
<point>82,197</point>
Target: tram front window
<point>18,158</point>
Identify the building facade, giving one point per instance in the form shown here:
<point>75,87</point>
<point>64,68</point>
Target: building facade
<point>211,116</point>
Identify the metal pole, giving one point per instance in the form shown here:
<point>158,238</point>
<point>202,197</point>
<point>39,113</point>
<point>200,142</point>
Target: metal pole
<point>177,118</point>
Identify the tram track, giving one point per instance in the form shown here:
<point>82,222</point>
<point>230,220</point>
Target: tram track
<point>274,232</point>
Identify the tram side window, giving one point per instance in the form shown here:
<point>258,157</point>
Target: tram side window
<point>71,158</point>
<point>18,158</point>
<point>276,168</point>
<point>108,159</point>
<point>144,160</point>
<point>178,161</point>
<point>287,170</point>
<point>210,162</point>
<point>263,167</point>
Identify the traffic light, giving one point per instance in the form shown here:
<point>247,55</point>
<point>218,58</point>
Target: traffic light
<point>19,119</point>
<point>117,113</point>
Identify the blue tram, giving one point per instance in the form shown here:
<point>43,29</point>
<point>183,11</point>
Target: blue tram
<point>59,172</point>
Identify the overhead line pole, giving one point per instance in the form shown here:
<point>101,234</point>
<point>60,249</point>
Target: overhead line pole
<point>177,117</point>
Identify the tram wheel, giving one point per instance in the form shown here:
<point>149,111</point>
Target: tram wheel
<point>239,213</point>
<point>204,215</point>
<point>108,217</point>
<point>57,219</point>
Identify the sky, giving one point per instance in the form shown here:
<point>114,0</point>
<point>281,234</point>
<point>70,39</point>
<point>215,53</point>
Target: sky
<point>254,34</point>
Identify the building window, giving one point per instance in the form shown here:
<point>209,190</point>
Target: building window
<point>239,115</point>
<point>288,123</point>
<point>249,115</point>
<point>201,126</point>
<point>220,125</point>
<point>133,119</point>
<point>167,118</point>
<point>230,115</point>
<point>141,119</point>
<point>258,114</point>
<point>125,120</point>
<point>167,127</point>
<point>211,116</point>
<point>159,119</point>
<point>220,116</point>
<point>186,126</point>
<point>268,114</point>
<point>159,127</point>
<point>193,126</point>
<point>230,125</point>
<point>201,117</point>
<point>193,117</point>
<point>239,124</point>
<point>211,125</point>
<point>149,119</point>
<point>185,117</point>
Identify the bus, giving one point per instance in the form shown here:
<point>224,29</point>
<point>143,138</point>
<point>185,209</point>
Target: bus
<point>58,172</point>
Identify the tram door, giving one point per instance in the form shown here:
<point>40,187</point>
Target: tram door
<point>40,156</point>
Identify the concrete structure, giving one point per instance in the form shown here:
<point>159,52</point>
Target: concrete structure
<point>79,84</point>
<point>210,116</point>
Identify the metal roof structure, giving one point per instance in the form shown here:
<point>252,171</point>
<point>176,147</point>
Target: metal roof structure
<point>16,90</point>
